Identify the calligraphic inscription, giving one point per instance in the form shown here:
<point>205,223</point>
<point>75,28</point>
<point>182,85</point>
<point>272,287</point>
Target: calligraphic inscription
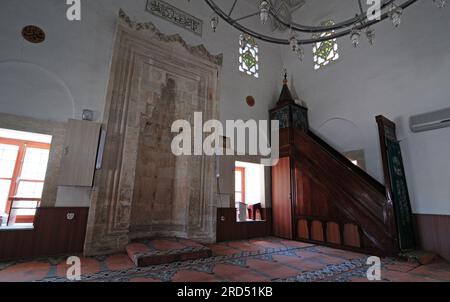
<point>172,14</point>
<point>402,203</point>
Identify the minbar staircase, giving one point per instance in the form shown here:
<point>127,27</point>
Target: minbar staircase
<point>320,196</point>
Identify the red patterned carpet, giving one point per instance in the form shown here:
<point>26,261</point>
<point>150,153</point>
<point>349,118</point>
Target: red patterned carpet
<point>267,259</point>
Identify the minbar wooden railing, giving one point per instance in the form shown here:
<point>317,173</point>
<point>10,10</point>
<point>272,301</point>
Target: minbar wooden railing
<point>347,163</point>
<point>348,197</point>
<point>320,196</point>
<point>324,230</point>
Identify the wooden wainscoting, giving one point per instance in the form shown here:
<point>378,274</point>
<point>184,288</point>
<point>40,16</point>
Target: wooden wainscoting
<point>343,235</point>
<point>229,229</point>
<point>53,234</point>
<point>433,232</point>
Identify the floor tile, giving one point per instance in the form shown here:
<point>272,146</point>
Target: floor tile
<point>275,259</point>
<point>219,250</point>
<point>273,269</point>
<point>25,272</point>
<point>119,262</point>
<point>228,272</point>
<point>143,280</point>
<point>193,276</point>
<point>438,271</point>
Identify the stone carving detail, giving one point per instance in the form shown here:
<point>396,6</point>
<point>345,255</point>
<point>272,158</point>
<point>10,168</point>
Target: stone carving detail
<point>142,189</point>
<point>176,16</point>
<point>148,26</point>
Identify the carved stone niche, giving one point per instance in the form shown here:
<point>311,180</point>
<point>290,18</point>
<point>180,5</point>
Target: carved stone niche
<point>143,190</point>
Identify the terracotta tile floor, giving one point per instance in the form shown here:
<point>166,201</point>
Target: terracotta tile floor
<point>264,259</point>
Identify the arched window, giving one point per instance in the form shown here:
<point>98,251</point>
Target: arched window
<point>248,55</point>
<point>327,51</point>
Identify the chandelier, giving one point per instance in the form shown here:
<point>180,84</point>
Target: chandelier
<point>354,27</point>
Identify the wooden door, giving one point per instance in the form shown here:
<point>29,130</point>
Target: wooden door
<point>281,199</point>
<point>80,154</point>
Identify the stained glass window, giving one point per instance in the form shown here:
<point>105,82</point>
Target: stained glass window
<point>248,55</point>
<point>327,51</point>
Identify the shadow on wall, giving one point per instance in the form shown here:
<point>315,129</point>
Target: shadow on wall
<point>29,90</point>
<point>342,134</point>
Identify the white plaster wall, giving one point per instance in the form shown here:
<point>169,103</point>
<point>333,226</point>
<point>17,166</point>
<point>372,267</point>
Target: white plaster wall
<point>406,72</point>
<point>78,55</point>
<point>69,72</point>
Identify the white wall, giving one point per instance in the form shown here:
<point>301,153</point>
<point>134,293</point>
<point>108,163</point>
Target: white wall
<point>406,72</point>
<point>69,72</point>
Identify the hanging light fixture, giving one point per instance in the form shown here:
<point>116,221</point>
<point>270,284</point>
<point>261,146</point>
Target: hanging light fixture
<point>264,11</point>
<point>300,52</point>
<point>354,37</point>
<point>214,22</point>
<point>296,47</point>
<point>293,42</point>
<point>390,9</point>
<point>395,14</point>
<point>370,34</point>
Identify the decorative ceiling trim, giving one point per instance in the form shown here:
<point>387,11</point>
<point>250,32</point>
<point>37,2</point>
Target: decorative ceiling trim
<point>175,15</point>
<point>198,50</point>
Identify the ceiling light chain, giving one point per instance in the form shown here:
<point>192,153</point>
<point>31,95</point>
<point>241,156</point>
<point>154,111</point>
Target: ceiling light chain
<point>353,27</point>
<point>395,14</point>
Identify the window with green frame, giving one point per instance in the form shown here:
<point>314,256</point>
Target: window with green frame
<point>248,55</point>
<point>327,51</point>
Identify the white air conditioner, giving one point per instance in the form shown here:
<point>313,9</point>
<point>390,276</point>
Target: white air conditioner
<point>429,121</point>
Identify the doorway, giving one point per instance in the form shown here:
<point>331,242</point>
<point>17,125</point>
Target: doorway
<point>249,191</point>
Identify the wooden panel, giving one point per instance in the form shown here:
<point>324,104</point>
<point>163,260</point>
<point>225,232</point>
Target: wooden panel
<point>302,229</point>
<point>281,199</point>
<point>333,233</point>
<point>80,153</point>
<point>53,234</point>
<point>328,191</point>
<point>316,191</point>
<point>433,231</point>
<point>351,235</point>
<point>317,231</point>
<point>229,229</point>
<point>396,185</point>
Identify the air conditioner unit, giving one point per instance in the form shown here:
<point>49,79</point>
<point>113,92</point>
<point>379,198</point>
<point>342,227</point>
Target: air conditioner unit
<point>429,121</point>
